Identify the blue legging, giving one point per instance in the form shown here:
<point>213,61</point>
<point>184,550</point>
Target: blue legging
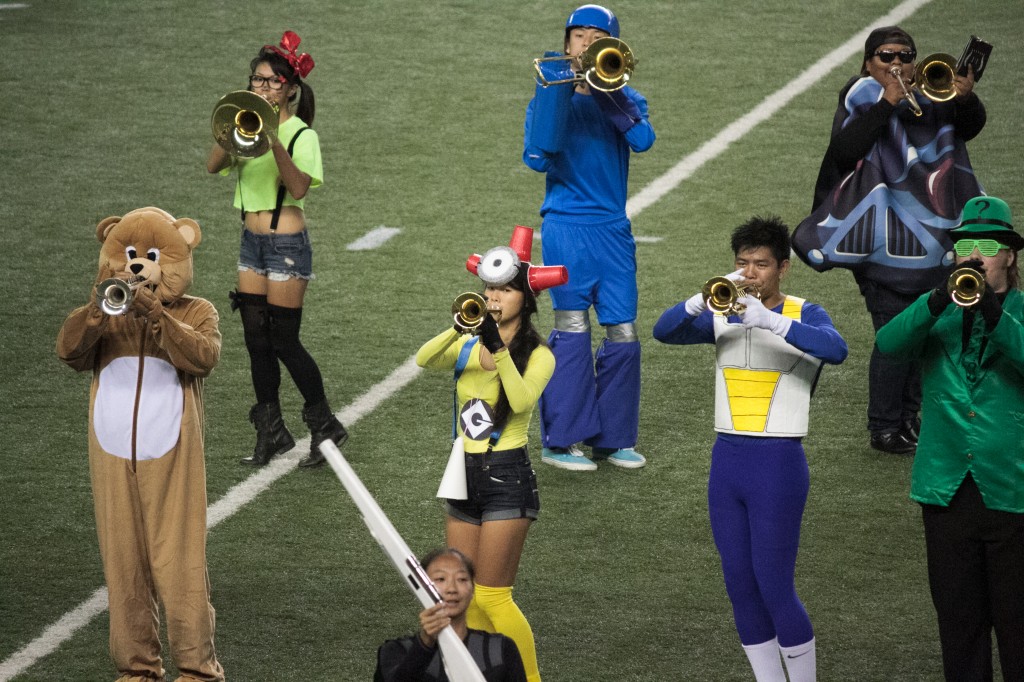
<point>756,495</point>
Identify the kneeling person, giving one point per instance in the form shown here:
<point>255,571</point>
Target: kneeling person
<point>418,657</point>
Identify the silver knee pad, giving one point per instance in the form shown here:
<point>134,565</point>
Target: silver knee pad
<point>621,333</point>
<point>572,320</point>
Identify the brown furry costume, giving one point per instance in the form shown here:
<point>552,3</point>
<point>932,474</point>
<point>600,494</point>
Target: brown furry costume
<point>146,443</point>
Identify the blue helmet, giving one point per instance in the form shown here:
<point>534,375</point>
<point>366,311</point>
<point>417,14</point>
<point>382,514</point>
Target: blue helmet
<point>593,16</point>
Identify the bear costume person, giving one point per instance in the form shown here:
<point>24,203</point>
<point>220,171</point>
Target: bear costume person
<point>146,456</point>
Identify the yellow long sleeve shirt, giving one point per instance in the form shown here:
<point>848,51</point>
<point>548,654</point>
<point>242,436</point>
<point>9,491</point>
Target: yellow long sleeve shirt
<point>522,390</point>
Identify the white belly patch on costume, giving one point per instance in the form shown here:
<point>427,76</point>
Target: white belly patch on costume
<point>160,408</point>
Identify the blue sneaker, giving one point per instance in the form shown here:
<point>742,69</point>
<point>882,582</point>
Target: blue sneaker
<point>627,458</point>
<point>571,458</point>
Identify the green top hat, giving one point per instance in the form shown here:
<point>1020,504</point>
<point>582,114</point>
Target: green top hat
<point>988,218</point>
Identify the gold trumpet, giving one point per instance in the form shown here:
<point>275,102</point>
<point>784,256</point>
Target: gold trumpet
<point>243,122</point>
<point>469,310</point>
<point>606,65</point>
<point>965,286</point>
<point>722,295</point>
<point>935,79</point>
<point>114,296</point>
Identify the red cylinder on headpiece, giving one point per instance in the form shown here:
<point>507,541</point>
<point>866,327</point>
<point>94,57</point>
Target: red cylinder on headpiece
<point>472,262</point>
<point>522,242</point>
<point>543,277</point>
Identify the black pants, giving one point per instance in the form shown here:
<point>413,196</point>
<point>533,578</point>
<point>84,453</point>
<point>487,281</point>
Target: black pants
<point>894,386</point>
<point>976,574</point>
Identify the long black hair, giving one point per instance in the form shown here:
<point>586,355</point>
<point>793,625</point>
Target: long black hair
<point>306,108</point>
<point>523,344</point>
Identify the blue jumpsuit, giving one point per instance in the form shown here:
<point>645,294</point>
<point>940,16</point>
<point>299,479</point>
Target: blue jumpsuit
<point>574,140</point>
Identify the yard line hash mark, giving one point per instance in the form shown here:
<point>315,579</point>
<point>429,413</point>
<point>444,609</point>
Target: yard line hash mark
<point>374,239</point>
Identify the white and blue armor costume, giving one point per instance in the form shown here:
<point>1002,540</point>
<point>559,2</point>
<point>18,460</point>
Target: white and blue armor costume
<point>759,478</point>
<point>583,143</point>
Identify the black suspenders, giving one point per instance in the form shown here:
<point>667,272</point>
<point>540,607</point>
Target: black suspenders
<point>280,188</point>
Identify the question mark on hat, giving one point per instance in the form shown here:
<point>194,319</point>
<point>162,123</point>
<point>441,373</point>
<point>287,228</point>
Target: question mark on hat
<point>984,204</point>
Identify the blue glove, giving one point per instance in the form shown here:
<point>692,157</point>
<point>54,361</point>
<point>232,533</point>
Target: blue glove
<point>551,108</point>
<point>756,315</point>
<point>556,70</point>
<point>618,107</point>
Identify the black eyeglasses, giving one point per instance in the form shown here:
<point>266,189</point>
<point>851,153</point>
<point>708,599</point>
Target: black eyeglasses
<point>906,56</point>
<point>273,82</point>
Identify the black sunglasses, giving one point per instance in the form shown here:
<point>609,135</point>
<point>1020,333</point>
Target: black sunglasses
<point>906,56</point>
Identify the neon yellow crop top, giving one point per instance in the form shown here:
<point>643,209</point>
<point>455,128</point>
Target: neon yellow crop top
<point>256,189</point>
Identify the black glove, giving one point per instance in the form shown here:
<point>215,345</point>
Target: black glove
<point>939,300</point>
<point>489,335</point>
<point>991,309</point>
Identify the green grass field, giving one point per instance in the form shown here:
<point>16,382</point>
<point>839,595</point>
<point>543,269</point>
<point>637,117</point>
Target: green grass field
<point>419,109</point>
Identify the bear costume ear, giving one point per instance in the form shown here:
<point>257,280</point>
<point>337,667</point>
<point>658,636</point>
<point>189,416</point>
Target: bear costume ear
<point>189,230</point>
<point>105,226</point>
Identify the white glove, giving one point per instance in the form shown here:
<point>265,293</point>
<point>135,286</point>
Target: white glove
<point>695,305</point>
<point>735,276</point>
<point>756,315</point>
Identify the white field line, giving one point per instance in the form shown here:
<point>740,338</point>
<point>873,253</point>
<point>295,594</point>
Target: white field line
<point>689,165</point>
<point>234,499</point>
<point>373,239</point>
<point>13,5</point>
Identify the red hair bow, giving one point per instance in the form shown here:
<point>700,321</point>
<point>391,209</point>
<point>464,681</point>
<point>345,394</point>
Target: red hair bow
<point>302,63</point>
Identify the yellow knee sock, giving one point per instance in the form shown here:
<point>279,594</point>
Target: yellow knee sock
<point>476,617</point>
<point>497,606</point>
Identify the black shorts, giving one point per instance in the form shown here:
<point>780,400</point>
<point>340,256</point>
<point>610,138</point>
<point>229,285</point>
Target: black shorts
<point>501,485</point>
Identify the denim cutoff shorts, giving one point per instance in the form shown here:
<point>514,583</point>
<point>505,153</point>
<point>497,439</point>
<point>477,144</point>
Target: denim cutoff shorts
<point>500,485</point>
<point>277,256</point>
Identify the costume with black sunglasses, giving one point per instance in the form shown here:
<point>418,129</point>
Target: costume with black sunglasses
<point>890,187</point>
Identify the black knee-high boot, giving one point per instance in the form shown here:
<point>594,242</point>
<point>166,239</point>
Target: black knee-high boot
<point>323,425</point>
<point>272,437</point>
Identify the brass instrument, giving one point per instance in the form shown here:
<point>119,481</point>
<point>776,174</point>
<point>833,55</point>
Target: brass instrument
<point>469,310</point>
<point>243,122</point>
<point>114,296</point>
<point>722,295</point>
<point>934,78</point>
<point>606,65</point>
<point>965,286</point>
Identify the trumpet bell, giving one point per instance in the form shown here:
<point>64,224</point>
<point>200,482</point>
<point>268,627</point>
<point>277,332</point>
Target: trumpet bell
<point>722,295</point>
<point>965,286</point>
<point>114,296</point>
<point>608,64</point>
<point>242,123</point>
<point>935,77</point>
<point>469,310</point>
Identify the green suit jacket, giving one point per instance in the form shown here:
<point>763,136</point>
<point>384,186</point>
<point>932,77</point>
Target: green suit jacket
<point>972,412</point>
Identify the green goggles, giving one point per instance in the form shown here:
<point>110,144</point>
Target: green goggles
<point>986,247</point>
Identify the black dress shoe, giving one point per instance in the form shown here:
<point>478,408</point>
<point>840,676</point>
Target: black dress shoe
<point>893,442</point>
